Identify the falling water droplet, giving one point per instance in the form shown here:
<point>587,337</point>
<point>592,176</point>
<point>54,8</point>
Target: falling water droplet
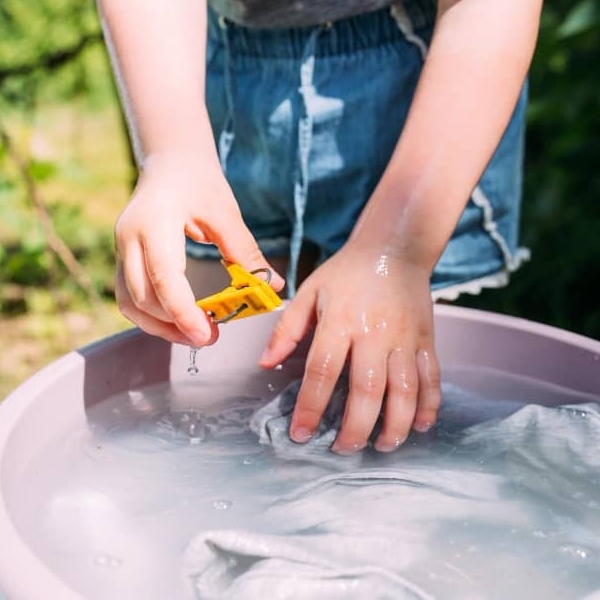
<point>193,369</point>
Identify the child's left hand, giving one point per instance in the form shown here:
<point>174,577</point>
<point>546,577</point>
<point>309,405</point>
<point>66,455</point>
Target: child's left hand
<point>375,310</point>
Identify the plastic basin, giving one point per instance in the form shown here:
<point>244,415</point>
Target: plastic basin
<point>497,355</point>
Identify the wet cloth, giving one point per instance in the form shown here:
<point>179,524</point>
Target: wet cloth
<point>303,140</point>
<point>489,510</point>
<point>272,422</point>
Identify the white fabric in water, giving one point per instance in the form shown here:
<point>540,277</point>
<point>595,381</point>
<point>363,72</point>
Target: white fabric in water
<point>271,423</point>
<point>491,510</point>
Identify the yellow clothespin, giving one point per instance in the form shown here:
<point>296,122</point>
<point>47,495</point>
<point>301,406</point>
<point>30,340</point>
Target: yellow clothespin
<point>247,295</point>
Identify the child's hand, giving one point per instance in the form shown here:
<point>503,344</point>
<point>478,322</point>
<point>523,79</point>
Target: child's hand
<point>375,310</point>
<point>177,194</point>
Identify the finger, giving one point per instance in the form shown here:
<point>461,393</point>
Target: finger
<point>241,247</point>
<point>167,331</point>
<point>363,406</point>
<point>401,400</point>
<point>146,322</point>
<point>324,364</point>
<point>165,266</point>
<point>430,394</point>
<point>138,285</point>
<point>294,324</point>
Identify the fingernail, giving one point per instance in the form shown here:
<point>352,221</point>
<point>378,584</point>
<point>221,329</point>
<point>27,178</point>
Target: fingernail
<point>264,357</point>
<point>278,281</point>
<point>382,446</point>
<point>199,337</point>
<point>301,435</point>
<point>423,426</point>
<point>346,450</point>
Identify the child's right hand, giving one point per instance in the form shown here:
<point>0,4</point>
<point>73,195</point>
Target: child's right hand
<point>177,194</point>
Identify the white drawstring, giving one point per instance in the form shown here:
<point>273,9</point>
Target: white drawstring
<point>305,134</point>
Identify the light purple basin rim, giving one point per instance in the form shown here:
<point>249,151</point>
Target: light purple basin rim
<point>466,339</point>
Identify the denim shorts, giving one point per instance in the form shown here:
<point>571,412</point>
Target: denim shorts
<point>305,121</point>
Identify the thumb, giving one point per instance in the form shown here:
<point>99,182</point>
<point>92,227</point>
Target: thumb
<point>241,247</point>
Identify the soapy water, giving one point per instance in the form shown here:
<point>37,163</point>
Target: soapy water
<point>114,511</point>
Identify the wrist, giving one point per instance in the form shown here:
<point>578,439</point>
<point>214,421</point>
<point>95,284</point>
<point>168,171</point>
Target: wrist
<point>191,157</point>
<point>383,254</point>
<point>402,234</point>
<point>187,133</point>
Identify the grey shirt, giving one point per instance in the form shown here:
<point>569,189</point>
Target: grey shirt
<point>296,13</point>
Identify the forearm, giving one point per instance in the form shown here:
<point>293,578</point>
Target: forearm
<point>158,53</point>
<point>478,60</point>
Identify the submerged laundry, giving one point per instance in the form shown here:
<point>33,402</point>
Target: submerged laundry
<point>490,509</point>
<point>272,422</point>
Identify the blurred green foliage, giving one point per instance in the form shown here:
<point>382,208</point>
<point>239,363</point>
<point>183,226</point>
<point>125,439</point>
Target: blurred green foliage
<point>561,204</point>
<point>50,52</point>
<point>43,52</point>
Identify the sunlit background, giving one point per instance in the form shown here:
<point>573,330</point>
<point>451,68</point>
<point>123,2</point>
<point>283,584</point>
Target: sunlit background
<point>66,172</point>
